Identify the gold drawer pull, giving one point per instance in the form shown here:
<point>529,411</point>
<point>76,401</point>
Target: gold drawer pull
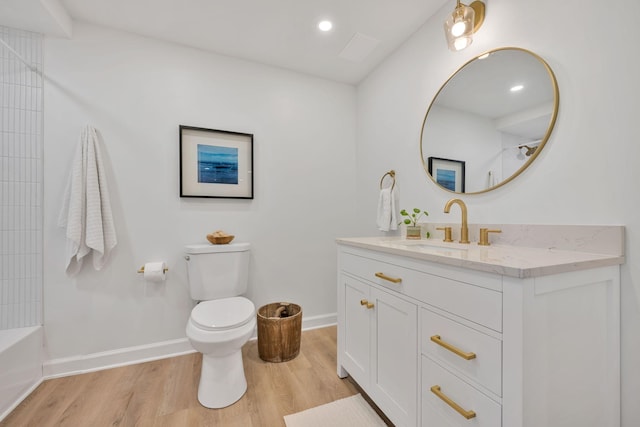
<point>467,414</point>
<point>367,303</point>
<point>389,279</point>
<point>467,356</point>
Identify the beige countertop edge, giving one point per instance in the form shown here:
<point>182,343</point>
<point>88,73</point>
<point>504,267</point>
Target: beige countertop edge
<point>511,268</point>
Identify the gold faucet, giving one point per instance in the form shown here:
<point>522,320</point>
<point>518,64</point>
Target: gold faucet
<point>464,229</point>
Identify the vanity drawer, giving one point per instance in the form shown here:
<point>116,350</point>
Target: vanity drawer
<point>475,303</point>
<point>480,357</point>
<point>437,413</point>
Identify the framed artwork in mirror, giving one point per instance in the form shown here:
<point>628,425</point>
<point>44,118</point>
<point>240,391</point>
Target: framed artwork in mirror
<point>215,163</point>
<point>447,173</point>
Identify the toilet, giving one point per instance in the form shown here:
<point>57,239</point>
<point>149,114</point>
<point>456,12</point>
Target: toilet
<point>222,321</point>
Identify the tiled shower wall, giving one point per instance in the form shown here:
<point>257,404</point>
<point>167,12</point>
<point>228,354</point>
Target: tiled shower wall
<point>21,70</point>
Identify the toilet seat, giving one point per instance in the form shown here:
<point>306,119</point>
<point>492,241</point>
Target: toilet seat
<point>223,314</point>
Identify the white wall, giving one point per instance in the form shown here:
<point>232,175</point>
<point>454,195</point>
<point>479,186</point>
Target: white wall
<point>588,171</point>
<point>136,92</point>
<point>477,143</point>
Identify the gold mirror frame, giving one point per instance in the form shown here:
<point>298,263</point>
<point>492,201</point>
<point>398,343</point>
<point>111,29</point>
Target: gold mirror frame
<point>533,156</point>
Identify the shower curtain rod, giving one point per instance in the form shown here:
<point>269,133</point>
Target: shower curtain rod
<point>20,58</point>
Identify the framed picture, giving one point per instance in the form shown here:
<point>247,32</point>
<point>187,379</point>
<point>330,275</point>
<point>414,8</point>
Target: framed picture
<point>215,163</point>
<point>448,173</point>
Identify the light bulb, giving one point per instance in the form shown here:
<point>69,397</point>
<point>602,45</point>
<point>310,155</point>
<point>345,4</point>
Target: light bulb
<point>459,28</point>
<point>325,25</point>
<point>462,42</point>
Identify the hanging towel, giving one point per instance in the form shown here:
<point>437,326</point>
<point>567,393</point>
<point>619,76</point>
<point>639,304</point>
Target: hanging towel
<point>492,179</point>
<point>386,219</point>
<point>86,211</point>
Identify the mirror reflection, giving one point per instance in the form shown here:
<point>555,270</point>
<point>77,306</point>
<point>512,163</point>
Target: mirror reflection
<point>489,121</point>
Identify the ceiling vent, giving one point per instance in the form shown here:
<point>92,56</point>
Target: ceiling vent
<point>359,47</point>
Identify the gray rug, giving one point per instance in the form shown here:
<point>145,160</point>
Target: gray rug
<point>352,411</point>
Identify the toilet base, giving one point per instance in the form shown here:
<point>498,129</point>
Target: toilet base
<point>222,380</point>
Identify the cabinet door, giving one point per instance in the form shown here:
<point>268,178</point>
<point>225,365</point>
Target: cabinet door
<point>356,357</point>
<point>394,357</point>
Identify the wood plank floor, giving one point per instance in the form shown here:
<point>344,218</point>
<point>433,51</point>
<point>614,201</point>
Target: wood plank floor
<point>164,392</point>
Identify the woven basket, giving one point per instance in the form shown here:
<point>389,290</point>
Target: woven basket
<point>279,337</point>
<point>220,240</point>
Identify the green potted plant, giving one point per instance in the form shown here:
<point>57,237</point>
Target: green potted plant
<point>411,220</point>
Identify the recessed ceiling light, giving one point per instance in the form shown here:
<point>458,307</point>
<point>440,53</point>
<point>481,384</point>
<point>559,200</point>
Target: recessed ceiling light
<point>485,56</point>
<point>516,88</point>
<point>325,25</point>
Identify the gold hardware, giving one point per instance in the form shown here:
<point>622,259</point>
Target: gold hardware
<point>367,303</point>
<point>464,228</point>
<point>530,150</point>
<point>447,234</point>
<point>392,174</point>
<point>479,9</point>
<point>484,236</point>
<point>467,356</point>
<point>141,269</point>
<point>467,414</point>
<point>389,279</point>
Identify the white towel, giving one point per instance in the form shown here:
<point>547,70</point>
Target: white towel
<point>386,219</point>
<point>492,179</point>
<point>86,210</point>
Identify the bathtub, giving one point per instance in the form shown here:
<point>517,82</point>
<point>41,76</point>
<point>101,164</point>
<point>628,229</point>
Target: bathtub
<point>20,365</point>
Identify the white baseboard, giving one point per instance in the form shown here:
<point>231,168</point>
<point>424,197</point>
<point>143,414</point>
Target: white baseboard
<point>321,321</point>
<point>114,358</point>
<point>145,353</point>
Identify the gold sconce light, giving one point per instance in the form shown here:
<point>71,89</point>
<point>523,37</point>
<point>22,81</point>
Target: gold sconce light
<point>463,23</point>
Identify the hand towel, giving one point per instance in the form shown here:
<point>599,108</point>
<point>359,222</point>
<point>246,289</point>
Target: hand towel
<point>386,214</point>
<point>86,211</point>
<point>492,179</point>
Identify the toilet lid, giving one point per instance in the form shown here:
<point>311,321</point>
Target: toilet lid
<point>221,314</point>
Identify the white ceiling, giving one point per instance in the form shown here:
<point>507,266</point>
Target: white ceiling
<point>482,88</point>
<point>282,33</point>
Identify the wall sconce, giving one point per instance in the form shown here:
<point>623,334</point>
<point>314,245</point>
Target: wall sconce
<point>462,23</point>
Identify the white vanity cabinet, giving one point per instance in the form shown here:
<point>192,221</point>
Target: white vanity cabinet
<point>440,345</point>
<point>380,350</point>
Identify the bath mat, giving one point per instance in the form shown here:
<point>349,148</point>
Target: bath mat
<point>352,411</point>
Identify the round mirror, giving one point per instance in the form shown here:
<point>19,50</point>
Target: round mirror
<point>489,121</point>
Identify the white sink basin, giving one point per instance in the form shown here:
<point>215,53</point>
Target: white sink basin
<point>434,244</point>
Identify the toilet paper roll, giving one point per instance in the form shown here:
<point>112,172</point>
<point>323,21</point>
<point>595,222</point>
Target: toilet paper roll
<point>154,271</point>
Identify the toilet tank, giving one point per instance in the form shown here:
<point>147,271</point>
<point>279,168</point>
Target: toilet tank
<point>217,271</point>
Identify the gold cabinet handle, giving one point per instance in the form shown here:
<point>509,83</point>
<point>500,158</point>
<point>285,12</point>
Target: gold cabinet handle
<point>389,279</point>
<point>467,414</point>
<point>467,356</point>
<point>369,305</point>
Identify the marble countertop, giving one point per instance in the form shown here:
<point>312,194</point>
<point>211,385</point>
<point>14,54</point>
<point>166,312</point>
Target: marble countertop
<point>507,260</point>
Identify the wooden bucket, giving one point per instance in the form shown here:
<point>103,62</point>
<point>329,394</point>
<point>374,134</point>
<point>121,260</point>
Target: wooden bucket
<point>279,337</point>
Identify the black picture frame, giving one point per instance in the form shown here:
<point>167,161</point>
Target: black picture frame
<point>215,163</point>
<point>448,173</point>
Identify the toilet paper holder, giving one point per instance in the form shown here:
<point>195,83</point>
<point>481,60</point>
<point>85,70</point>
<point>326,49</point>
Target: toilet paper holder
<point>141,269</point>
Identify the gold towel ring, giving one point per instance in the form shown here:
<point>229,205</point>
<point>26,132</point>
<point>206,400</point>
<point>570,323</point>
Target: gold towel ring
<point>392,174</point>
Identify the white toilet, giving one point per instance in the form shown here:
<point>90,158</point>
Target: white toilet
<point>223,321</point>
